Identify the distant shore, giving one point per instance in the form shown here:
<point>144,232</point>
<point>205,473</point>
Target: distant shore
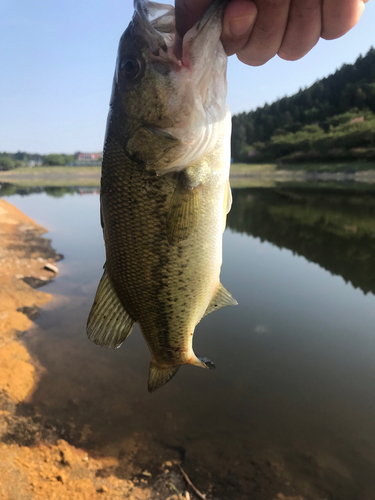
<point>53,176</point>
<point>242,174</point>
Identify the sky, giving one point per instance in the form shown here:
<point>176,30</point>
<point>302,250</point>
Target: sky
<point>57,61</point>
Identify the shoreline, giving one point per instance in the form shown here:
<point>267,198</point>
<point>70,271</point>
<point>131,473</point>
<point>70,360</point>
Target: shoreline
<point>240,177</point>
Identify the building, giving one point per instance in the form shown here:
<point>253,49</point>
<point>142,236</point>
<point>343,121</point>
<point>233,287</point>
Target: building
<point>89,159</point>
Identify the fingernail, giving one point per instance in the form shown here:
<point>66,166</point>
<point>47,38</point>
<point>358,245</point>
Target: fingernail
<point>240,25</point>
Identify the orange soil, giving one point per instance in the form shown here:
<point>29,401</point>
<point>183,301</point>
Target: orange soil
<point>16,372</point>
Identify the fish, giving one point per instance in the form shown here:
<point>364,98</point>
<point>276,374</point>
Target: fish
<point>165,190</point>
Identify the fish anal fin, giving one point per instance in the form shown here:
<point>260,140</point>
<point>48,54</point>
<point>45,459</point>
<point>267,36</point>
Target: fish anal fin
<point>184,213</point>
<point>108,324</point>
<point>159,376</point>
<point>221,298</point>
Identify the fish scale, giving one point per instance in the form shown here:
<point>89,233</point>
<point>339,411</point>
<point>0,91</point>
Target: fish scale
<point>164,198</point>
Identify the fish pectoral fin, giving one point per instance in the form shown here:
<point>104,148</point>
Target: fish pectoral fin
<point>141,147</point>
<point>221,298</point>
<point>158,376</point>
<point>184,213</point>
<point>108,324</point>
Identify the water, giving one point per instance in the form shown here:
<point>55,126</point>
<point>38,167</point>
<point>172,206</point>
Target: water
<point>291,403</point>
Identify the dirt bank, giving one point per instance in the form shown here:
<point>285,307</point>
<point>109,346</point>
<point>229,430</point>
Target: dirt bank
<point>23,255</point>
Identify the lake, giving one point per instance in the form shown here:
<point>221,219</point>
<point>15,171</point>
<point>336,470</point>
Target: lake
<point>291,404</point>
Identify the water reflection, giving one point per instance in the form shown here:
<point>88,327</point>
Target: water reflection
<point>332,228</point>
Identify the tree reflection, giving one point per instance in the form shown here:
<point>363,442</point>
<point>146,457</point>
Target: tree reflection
<point>334,229</point>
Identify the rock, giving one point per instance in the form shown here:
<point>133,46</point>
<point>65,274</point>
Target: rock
<point>31,312</point>
<point>51,267</point>
<point>34,282</point>
<point>66,455</point>
<point>102,489</point>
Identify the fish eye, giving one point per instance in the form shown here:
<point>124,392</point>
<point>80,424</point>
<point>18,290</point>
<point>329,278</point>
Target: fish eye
<point>130,66</point>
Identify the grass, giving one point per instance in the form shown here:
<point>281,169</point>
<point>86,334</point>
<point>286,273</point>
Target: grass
<point>242,174</point>
<point>53,176</point>
<point>65,171</point>
<point>331,167</point>
<point>243,169</point>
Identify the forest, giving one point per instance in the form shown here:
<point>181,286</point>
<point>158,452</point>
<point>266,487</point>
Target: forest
<point>332,120</point>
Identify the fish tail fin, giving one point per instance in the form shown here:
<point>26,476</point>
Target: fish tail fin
<point>203,363</point>
<point>158,376</point>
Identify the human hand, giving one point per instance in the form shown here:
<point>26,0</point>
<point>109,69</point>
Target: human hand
<point>257,30</point>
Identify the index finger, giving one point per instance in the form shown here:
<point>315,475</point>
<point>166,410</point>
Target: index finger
<point>188,12</point>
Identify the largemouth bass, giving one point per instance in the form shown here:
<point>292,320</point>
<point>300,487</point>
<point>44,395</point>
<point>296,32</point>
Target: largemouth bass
<point>165,188</point>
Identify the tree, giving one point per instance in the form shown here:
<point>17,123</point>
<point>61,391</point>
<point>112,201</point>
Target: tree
<point>6,163</point>
<point>351,89</point>
<point>54,160</point>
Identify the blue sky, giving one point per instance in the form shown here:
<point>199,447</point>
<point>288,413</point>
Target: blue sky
<point>57,61</point>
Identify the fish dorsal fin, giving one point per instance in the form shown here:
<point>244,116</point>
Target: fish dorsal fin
<point>184,212</point>
<point>108,324</point>
<point>221,298</point>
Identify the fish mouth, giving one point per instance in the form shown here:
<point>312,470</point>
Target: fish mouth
<point>156,24</point>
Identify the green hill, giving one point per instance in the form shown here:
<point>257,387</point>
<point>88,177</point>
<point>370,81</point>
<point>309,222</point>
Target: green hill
<point>332,120</point>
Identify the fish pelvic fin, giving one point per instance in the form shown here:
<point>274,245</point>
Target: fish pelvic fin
<point>221,298</point>
<point>159,376</point>
<point>108,324</point>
